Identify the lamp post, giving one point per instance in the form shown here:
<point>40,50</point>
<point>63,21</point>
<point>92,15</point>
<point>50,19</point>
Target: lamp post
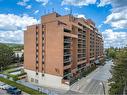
<point>101,83</point>
<point>78,84</point>
<point>1,68</point>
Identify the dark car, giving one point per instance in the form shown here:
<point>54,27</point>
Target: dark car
<point>14,90</point>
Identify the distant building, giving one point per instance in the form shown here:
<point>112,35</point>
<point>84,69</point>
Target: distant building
<point>18,53</point>
<point>59,48</point>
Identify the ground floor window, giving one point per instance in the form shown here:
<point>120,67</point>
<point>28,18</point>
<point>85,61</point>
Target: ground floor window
<point>32,80</point>
<point>36,81</point>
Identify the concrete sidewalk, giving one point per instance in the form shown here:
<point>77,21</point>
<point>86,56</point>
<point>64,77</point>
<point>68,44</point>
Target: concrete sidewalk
<point>47,90</point>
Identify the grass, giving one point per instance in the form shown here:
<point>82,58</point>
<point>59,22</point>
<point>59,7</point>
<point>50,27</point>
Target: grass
<point>21,87</point>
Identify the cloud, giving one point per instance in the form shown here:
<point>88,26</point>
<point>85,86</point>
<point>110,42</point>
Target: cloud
<point>11,37</point>
<point>15,22</point>
<point>80,15</point>
<point>36,11</point>
<point>104,2</point>
<point>28,7</point>
<point>78,2</point>
<point>24,3</point>
<point>114,39</point>
<point>100,25</point>
<point>44,2</point>
<point>118,17</point>
<point>11,29</point>
<point>67,9</point>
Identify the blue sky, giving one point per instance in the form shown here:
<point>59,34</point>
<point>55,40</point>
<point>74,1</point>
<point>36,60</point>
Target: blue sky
<point>110,17</point>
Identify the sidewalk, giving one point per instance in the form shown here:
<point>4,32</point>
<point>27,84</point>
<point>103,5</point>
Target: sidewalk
<point>47,90</point>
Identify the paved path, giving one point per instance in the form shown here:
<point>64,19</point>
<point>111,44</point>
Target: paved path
<point>93,83</point>
<point>48,90</point>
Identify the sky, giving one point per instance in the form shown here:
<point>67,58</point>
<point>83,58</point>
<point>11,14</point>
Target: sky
<point>110,17</point>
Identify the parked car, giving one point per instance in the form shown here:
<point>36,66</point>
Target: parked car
<point>14,90</point>
<point>1,85</point>
<point>4,86</point>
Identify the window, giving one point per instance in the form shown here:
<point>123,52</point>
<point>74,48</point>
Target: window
<point>36,81</point>
<point>32,80</point>
<point>37,47</point>
<point>43,53</point>
<point>43,59</point>
<point>42,75</point>
<point>36,58</point>
<point>37,53</point>
<point>37,41</point>
<point>36,68</point>
<point>42,62</point>
<point>36,73</point>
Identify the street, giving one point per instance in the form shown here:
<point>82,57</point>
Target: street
<point>95,83</point>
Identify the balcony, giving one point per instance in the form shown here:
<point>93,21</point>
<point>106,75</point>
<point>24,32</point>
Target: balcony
<point>67,72</point>
<point>67,65</point>
<point>80,68</point>
<point>67,46</point>
<point>67,54</point>
<point>80,52</point>
<point>81,58</point>
<point>67,59</point>
<point>83,38</point>
<point>80,46</point>
<point>79,36</point>
<point>79,42</point>
<point>67,30</point>
<point>67,39</point>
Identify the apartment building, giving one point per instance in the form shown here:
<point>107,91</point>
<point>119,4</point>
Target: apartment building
<point>58,49</point>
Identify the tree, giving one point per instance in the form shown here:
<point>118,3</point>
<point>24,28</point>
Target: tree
<point>119,73</point>
<point>6,55</point>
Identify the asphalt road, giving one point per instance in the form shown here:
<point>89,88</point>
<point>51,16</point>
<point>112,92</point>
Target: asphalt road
<point>95,83</point>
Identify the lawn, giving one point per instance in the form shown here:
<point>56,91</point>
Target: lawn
<point>21,87</point>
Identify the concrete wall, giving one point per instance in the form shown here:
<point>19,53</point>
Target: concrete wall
<point>47,80</point>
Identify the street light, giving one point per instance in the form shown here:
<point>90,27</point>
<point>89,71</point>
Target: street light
<point>78,84</point>
<point>101,83</point>
<point>1,68</point>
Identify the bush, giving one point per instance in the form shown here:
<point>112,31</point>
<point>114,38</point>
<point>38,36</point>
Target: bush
<point>14,70</point>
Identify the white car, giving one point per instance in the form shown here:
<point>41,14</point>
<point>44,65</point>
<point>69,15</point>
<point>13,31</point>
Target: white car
<point>1,85</point>
<point>4,86</point>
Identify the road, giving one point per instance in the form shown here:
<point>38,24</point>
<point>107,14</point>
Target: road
<point>95,83</point>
